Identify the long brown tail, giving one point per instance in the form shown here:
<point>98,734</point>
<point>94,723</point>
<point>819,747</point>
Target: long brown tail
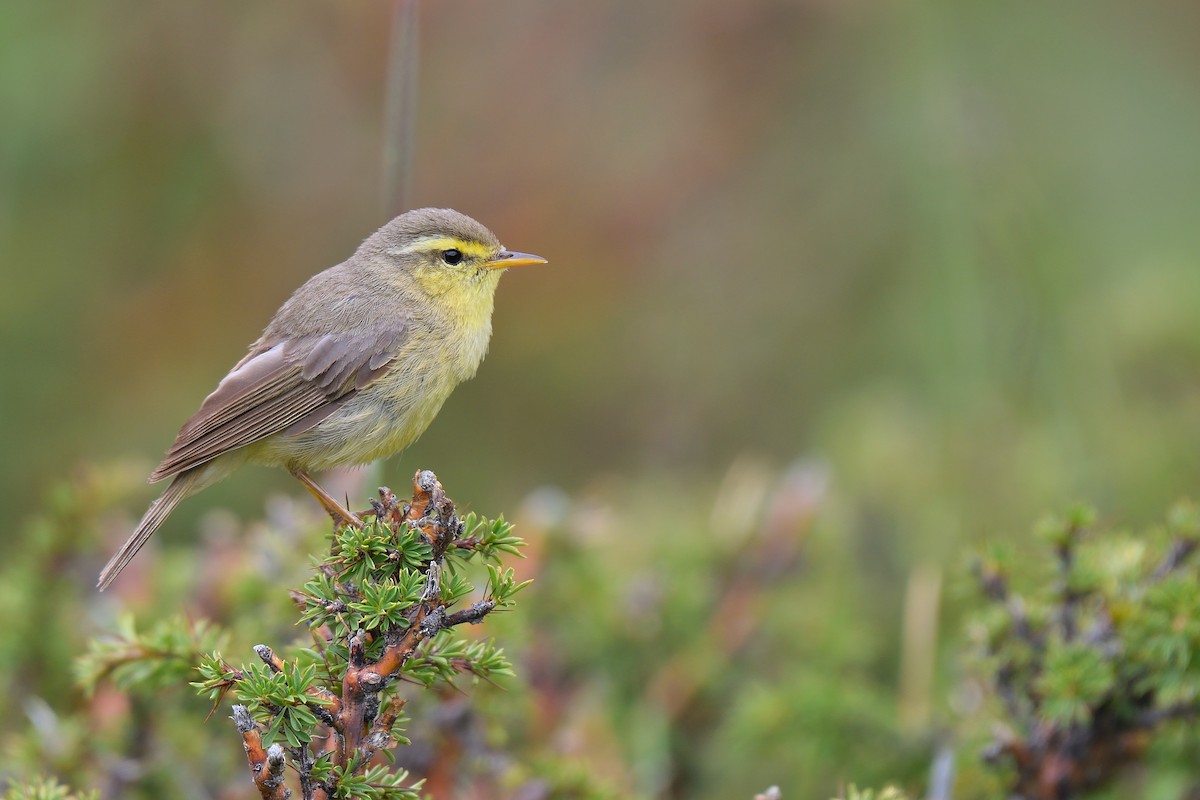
<point>185,484</point>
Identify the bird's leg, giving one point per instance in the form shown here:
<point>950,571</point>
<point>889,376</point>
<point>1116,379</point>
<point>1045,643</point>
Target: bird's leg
<point>331,506</point>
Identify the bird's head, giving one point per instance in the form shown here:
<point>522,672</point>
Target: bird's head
<point>445,252</point>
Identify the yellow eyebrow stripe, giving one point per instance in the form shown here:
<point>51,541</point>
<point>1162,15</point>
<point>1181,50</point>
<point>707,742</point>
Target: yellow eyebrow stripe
<point>435,243</point>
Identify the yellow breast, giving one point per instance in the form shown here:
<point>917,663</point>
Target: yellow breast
<point>444,345</point>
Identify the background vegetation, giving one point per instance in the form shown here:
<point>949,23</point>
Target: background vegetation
<point>884,281</point>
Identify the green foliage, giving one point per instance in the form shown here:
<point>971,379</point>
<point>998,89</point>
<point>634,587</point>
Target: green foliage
<point>704,657</point>
<point>438,660</point>
<point>701,645</point>
<point>1089,660</point>
<point>491,539</point>
<point>45,789</point>
<point>502,586</point>
<point>377,574</point>
<point>376,783</point>
<point>887,793</point>
<point>380,607</point>
<point>161,657</point>
<point>279,698</point>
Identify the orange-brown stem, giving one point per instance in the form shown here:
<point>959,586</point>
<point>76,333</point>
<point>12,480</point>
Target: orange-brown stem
<point>266,765</point>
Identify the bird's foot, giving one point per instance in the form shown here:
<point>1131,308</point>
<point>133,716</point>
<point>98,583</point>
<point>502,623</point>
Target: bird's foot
<point>341,517</point>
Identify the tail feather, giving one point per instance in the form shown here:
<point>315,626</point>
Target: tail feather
<point>185,484</point>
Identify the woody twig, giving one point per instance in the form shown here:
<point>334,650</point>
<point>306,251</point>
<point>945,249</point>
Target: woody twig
<point>265,764</point>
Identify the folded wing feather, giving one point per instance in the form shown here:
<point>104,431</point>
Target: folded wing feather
<point>291,384</point>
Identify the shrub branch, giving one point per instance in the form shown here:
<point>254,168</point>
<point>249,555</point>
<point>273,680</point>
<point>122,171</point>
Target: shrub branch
<point>380,608</point>
<point>266,765</point>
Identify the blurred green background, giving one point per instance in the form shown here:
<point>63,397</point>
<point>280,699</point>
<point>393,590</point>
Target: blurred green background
<point>941,244</point>
<point>946,249</point>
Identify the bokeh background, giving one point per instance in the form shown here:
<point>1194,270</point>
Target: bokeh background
<point>942,254</point>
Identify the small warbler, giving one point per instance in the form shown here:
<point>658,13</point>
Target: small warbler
<point>352,368</point>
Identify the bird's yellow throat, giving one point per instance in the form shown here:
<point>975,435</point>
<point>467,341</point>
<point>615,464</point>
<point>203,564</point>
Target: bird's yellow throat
<point>464,297</point>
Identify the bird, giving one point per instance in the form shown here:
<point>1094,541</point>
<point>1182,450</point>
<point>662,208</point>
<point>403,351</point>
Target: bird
<point>351,369</point>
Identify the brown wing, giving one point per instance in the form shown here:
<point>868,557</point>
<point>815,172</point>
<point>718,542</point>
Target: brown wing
<point>291,384</point>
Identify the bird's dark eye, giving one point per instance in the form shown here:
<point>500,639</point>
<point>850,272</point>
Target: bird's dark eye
<point>452,256</point>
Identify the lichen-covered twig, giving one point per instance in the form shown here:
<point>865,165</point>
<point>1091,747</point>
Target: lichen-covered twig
<point>266,765</point>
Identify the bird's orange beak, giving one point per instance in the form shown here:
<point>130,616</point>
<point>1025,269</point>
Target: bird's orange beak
<point>508,258</point>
